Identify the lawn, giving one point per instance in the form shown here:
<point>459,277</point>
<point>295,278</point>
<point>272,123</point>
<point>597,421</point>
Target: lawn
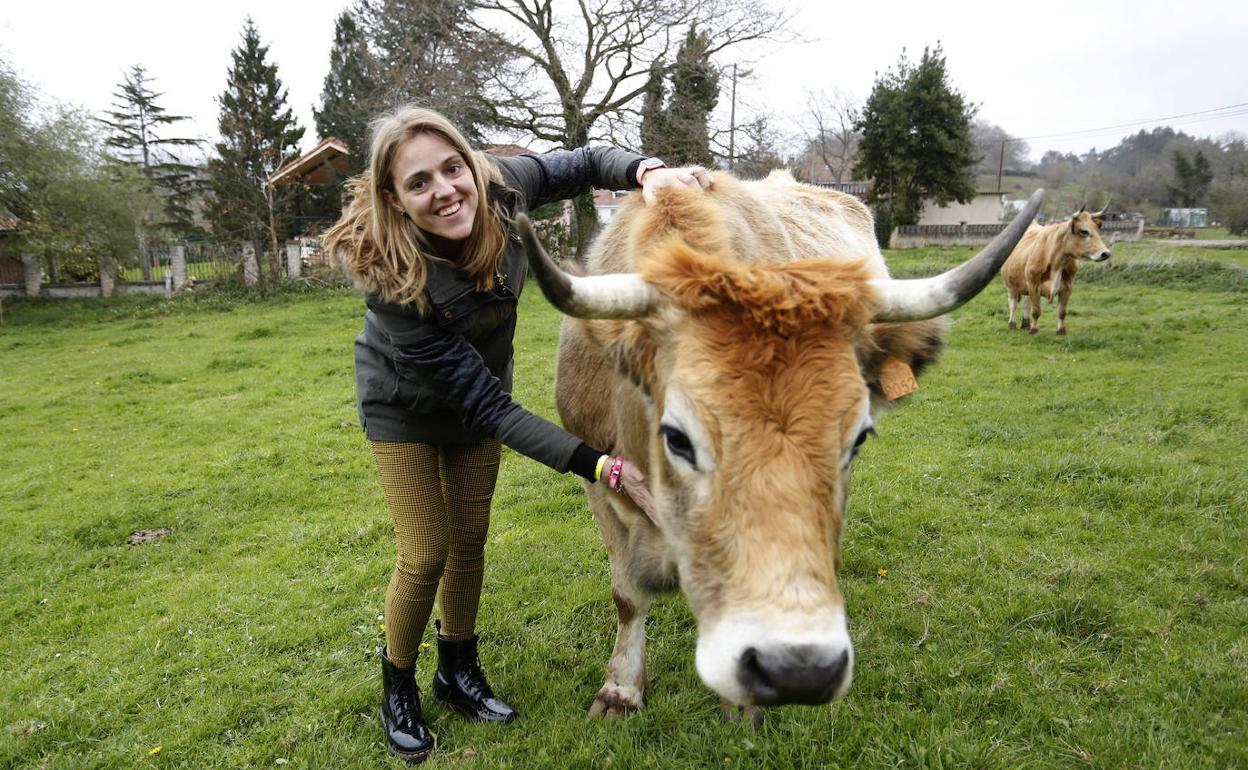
<point>1044,561</point>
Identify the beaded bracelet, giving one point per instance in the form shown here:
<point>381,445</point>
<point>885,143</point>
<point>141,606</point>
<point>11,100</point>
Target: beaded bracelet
<point>613,478</point>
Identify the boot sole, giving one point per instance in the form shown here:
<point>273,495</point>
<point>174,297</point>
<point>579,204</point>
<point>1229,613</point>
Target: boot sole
<point>411,757</point>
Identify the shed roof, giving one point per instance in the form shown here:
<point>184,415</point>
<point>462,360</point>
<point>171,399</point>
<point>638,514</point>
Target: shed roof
<point>324,164</point>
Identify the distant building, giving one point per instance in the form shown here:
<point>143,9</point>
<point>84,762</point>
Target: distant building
<point>1185,218</point>
<point>986,208</point>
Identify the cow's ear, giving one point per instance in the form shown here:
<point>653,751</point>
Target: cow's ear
<point>1098,221</point>
<point>884,350</point>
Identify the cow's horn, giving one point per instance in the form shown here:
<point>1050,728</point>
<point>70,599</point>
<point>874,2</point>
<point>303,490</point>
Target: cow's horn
<point>1101,214</point>
<point>617,295</point>
<point>917,299</point>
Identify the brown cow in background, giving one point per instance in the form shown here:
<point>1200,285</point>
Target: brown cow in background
<point>1045,261</point>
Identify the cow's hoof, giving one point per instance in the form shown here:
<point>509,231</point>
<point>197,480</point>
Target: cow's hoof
<point>615,701</point>
<point>1061,332</point>
<point>1026,325</point>
<point>748,715</point>
<point>1013,326</point>
<point>1033,330</point>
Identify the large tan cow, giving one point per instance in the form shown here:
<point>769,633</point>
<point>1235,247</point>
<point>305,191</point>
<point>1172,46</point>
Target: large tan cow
<point>1045,263</point>
<point>745,341</point>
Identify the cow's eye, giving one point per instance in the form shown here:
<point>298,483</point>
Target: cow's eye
<point>678,443</point>
<point>1085,233</point>
<point>858,442</point>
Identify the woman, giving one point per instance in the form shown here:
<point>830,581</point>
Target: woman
<point>429,238</point>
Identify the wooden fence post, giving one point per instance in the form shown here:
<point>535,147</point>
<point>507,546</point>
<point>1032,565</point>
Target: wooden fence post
<point>32,268</point>
<point>251,268</point>
<point>107,280</point>
<point>294,259</point>
<point>177,267</point>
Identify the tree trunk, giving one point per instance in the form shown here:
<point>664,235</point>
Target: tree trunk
<point>585,218</point>
<point>584,215</point>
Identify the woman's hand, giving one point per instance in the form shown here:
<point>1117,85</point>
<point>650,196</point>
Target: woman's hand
<point>692,177</point>
<point>626,478</point>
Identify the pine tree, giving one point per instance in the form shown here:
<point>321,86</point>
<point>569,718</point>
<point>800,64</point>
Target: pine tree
<point>137,124</point>
<point>1191,179</point>
<point>653,119</point>
<point>349,96</point>
<point>259,133</point>
<point>916,140</point>
<point>695,92</point>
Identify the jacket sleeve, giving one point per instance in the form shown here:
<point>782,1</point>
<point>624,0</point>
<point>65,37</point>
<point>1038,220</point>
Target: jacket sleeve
<point>564,174</point>
<point>452,366</point>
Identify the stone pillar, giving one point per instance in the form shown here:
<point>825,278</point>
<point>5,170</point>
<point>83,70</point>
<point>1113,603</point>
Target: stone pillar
<point>294,259</point>
<point>251,268</point>
<point>177,267</point>
<point>32,267</point>
<point>107,280</point>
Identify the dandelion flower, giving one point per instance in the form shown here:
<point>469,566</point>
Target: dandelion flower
<point>882,572</point>
<point>155,750</point>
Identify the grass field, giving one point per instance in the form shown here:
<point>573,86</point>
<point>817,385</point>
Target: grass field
<point>1061,522</point>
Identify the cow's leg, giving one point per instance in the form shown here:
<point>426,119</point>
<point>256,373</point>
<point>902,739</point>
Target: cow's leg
<point>621,694</point>
<point>1033,305</point>
<point>1013,306</point>
<point>750,715</point>
<point>1063,296</point>
<point>1026,319</point>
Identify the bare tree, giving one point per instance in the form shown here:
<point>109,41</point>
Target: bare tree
<point>581,64</point>
<point>997,149</point>
<point>834,139</point>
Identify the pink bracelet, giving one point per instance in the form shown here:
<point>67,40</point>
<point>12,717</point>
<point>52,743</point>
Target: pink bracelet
<point>613,477</point>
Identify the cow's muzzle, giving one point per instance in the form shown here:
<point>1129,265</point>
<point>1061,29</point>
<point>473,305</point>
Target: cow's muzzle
<point>772,660</point>
<point>805,673</point>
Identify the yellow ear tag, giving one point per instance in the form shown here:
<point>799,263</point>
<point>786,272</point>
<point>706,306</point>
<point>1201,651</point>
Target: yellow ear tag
<point>897,378</point>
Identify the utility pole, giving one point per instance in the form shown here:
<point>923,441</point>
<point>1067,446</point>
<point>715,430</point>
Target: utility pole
<point>1001,165</point>
<point>732,122</point>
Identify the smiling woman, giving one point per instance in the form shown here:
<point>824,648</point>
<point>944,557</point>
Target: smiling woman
<point>427,237</point>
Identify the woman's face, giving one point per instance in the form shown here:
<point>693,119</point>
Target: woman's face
<point>434,186</point>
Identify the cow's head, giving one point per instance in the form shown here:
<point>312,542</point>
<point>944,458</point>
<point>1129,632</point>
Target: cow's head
<point>1083,239</point>
<point>757,384</point>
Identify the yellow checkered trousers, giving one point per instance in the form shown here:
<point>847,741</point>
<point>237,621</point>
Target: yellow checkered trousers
<point>439,497</point>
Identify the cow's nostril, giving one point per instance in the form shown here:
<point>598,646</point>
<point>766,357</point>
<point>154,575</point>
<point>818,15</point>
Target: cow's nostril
<point>801,674</point>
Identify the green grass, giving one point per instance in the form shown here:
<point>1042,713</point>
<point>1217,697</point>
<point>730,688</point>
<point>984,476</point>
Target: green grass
<point>1062,521</point>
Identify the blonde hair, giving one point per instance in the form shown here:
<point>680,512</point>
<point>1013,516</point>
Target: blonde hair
<point>384,251</point>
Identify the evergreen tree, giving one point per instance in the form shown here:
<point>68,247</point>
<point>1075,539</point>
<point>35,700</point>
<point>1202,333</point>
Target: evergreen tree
<point>1191,179</point>
<point>349,99</point>
<point>695,92</point>
<point>349,96</point>
<point>653,118</point>
<point>916,140</point>
<point>259,133</point>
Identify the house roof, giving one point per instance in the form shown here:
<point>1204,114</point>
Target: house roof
<point>324,164</point>
<point>506,150</point>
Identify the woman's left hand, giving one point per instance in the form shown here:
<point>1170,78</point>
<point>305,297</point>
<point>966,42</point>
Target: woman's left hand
<point>632,482</point>
<point>692,177</point>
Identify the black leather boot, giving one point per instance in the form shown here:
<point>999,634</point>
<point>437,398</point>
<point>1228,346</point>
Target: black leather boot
<point>407,736</point>
<point>460,682</point>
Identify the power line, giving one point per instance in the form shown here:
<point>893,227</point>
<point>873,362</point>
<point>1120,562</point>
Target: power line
<point>1239,109</point>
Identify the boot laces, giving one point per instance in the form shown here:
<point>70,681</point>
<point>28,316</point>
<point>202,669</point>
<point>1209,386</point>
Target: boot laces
<point>474,676</point>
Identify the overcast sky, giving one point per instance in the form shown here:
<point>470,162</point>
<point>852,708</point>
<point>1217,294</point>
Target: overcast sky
<point>1067,77</point>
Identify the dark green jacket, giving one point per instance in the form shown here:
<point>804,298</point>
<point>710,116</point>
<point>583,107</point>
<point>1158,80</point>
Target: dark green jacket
<point>443,376</point>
